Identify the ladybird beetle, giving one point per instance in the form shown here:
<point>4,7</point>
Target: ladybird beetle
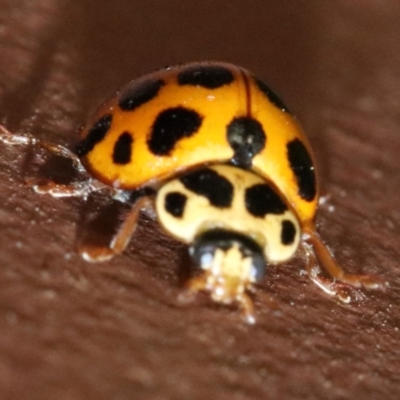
<point>226,167</point>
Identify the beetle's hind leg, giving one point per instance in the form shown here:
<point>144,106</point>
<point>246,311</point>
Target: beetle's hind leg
<point>26,139</point>
<point>340,283</point>
<point>43,186</point>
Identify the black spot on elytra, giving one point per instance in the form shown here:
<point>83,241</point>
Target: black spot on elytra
<point>208,183</point>
<point>208,76</point>
<point>262,199</point>
<point>175,203</point>
<point>288,232</point>
<point>301,164</point>
<point>123,149</point>
<point>272,96</point>
<point>170,127</point>
<point>246,136</point>
<point>95,135</point>
<point>139,93</point>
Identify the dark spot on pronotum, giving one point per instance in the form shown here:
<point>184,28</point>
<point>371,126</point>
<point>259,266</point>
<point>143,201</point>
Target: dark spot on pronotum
<point>288,232</point>
<point>95,135</point>
<point>208,76</point>
<point>208,183</point>
<point>139,93</point>
<point>272,96</point>
<point>247,138</point>
<point>175,203</point>
<point>170,127</point>
<point>301,164</point>
<point>262,199</point>
<point>123,149</point>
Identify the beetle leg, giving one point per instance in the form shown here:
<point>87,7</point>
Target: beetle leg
<point>121,239</point>
<point>76,189</point>
<point>315,248</point>
<point>199,283</point>
<point>62,151</point>
<point>247,306</point>
<point>332,287</point>
<point>13,139</point>
<point>196,284</point>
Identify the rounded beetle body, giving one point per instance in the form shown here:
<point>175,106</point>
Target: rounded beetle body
<point>190,115</point>
<point>230,168</point>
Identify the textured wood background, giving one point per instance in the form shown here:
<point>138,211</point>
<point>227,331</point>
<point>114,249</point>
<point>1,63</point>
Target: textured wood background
<point>73,330</point>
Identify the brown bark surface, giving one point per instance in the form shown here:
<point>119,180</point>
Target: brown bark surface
<point>116,330</point>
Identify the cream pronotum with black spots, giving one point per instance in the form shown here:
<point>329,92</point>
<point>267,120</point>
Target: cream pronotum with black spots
<point>185,213</point>
<point>235,204</point>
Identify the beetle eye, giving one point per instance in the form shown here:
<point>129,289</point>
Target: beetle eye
<point>204,247</point>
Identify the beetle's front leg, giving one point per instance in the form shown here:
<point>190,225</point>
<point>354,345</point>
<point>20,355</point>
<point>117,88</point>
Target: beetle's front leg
<point>121,239</point>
